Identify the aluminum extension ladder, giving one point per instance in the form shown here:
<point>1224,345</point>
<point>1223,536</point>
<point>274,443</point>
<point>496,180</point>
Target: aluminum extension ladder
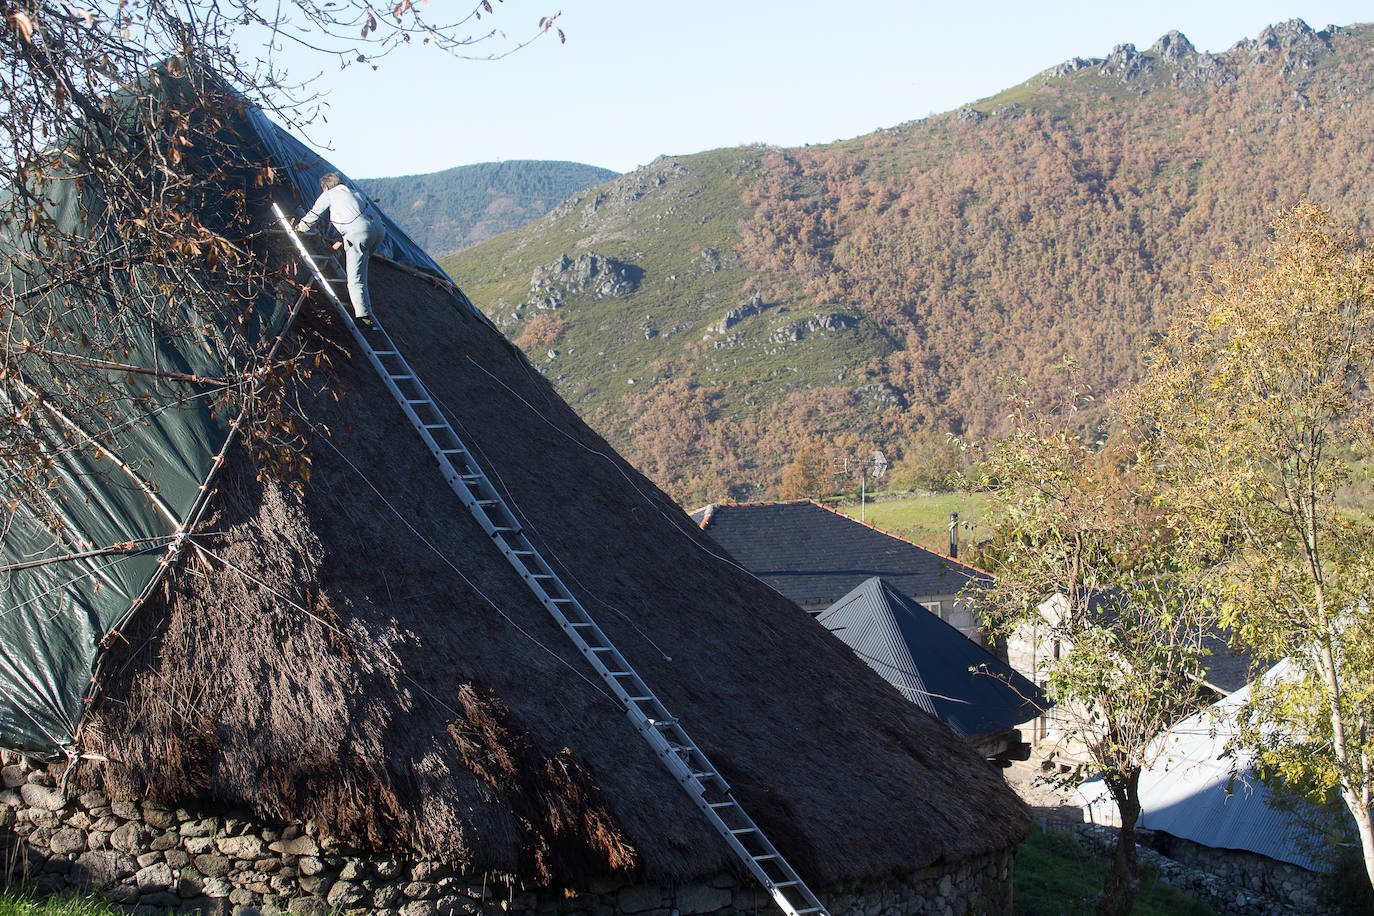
<point>670,743</point>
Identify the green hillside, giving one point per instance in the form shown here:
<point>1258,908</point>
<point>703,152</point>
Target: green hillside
<point>712,313</point>
<point>450,210</point>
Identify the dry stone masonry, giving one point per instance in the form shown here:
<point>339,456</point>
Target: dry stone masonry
<point>156,859</point>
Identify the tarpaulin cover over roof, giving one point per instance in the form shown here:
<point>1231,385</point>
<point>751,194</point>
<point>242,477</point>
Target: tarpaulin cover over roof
<point>134,479</point>
<point>930,662</point>
<point>1190,790</point>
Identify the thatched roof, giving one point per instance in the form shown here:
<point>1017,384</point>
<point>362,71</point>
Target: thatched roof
<point>359,654</point>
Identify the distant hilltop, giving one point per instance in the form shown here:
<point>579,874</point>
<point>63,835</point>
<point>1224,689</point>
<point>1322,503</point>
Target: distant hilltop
<point>714,313</point>
<point>451,210</point>
<point>1173,59</point>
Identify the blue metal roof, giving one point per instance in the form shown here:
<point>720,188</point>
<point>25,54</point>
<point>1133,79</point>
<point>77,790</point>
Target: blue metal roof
<point>930,662</point>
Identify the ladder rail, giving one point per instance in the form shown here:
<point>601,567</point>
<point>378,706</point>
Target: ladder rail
<point>685,761</point>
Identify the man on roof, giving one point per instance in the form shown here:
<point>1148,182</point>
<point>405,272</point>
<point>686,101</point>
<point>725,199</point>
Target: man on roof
<point>348,210</point>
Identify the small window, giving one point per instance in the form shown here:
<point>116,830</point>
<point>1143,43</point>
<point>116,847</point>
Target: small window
<point>934,607</point>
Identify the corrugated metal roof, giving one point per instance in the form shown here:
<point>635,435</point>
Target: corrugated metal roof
<point>1190,791</point>
<point>930,662</point>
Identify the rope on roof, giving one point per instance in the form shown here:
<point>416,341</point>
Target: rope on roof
<point>137,547</point>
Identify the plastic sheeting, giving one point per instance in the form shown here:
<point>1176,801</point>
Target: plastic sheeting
<point>142,481</point>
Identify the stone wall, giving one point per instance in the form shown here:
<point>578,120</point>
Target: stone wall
<point>155,859</point>
<point>1231,883</point>
<point>1289,884</point>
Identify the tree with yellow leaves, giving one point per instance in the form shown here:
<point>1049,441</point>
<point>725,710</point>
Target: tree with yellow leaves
<point>1254,404</point>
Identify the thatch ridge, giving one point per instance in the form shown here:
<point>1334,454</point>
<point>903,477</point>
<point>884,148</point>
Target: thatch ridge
<point>322,681</point>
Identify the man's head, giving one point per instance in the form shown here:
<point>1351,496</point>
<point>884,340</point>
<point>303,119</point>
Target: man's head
<point>330,180</point>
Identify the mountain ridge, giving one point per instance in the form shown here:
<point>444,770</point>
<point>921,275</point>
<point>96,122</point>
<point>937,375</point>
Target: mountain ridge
<point>873,290</point>
<point>452,209</point>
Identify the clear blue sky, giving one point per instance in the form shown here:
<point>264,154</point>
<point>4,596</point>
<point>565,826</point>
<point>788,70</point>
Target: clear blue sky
<point>640,78</point>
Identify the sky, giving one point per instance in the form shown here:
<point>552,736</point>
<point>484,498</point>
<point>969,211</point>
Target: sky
<point>641,78</point>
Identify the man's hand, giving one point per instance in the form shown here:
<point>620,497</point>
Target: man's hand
<point>338,245</point>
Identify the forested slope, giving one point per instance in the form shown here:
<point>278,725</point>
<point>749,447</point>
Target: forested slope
<point>712,313</point>
<point>448,211</point>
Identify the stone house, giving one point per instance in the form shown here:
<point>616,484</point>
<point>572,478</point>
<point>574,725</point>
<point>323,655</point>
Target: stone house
<point>332,691</point>
<point>815,556</point>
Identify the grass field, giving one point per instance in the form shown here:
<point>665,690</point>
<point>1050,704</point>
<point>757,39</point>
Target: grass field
<point>924,518</point>
<point>1055,876</point>
<point>16,901</point>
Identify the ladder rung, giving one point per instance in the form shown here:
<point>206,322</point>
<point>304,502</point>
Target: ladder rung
<point>465,475</point>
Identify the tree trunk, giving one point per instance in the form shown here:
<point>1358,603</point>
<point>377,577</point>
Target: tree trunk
<point>1123,881</point>
<point>1362,821</point>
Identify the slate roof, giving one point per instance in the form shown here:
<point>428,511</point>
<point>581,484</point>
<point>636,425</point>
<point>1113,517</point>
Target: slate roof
<point>930,662</point>
<point>815,556</point>
<point>1189,790</point>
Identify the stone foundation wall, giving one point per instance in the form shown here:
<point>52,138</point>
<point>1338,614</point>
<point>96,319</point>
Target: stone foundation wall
<point>155,859</point>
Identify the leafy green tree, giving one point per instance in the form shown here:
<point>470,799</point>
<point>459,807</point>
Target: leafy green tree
<point>1256,399</point>
<point>1087,572</point>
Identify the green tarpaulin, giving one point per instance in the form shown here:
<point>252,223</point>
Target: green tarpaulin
<point>131,471</point>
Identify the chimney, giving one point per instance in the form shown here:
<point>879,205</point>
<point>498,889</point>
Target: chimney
<point>954,535</point>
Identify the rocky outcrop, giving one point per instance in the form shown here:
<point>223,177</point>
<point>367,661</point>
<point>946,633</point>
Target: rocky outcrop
<point>1072,65</point>
<point>798,329</point>
<point>1173,46</point>
<point>1126,64</point>
<point>590,274</point>
<point>1293,44</point>
<point>733,317</point>
<point>1173,60</point>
